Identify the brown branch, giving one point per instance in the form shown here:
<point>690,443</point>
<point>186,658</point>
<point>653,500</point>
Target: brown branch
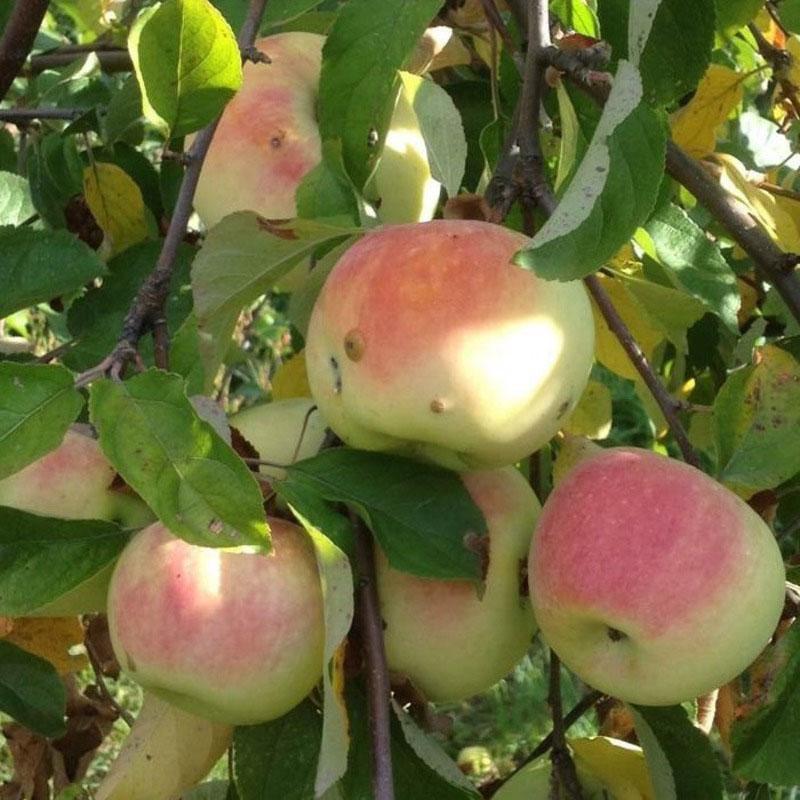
<point>370,623</point>
<point>148,305</point>
<point>564,774</point>
<point>22,116</point>
<point>111,60</point>
<point>18,38</point>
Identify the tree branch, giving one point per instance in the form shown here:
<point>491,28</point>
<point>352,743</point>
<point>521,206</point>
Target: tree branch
<point>564,774</point>
<point>147,309</point>
<point>111,60</point>
<point>22,116</point>
<point>378,686</point>
<point>18,38</point>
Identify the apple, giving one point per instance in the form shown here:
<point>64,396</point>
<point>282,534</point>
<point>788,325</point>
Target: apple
<point>448,639</point>
<point>427,341</point>
<point>650,580</point>
<point>268,140</point>
<point>283,432</point>
<point>231,635</point>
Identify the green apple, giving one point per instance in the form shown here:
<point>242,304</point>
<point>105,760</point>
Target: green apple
<point>232,635</point>
<point>448,639</point>
<point>651,581</point>
<point>427,341</point>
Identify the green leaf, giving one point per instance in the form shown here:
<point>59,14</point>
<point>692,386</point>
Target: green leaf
<point>55,172</point>
<point>279,12</point>
<point>671,42</point>
<point>278,759</point>
<point>611,193</point>
<point>36,266</point>
<point>326,191</point>
<point>243,256</point>
<point>187,63</point>
<point>757,422</point>
<point>199,488</point>
<point>733,14</point>
<point>442,130</point>
<point>694,262</point>
<point>31,691</point>
<point>576,15</point>
<point>368,43</point>
<point>38,402</point>
<point>210,790</point>
<point>766,747</point>
<point>15,199</point>
<point>425,539</point>
<point>124,117</point>
<point>680,759</point>
<point>41,559</point>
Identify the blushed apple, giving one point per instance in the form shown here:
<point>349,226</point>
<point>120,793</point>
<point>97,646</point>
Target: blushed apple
<point>449,641</point>
<point>650,580</point>
<point>427,341</point>
<point>234,636</point>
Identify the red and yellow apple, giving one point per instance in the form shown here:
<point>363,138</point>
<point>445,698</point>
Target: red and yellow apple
<point>447,639</point>
<point>268,140</point>
<point>651,581</point>
<point>427,341</point>
<point>232,635</point>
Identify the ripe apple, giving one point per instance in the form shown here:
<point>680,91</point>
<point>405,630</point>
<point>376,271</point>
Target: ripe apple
<point>449,641</point>
<point>283,432</point>
<point>427,341</point>
<point>232,635</point>
<point>268,140</point>
<point>650,580</point>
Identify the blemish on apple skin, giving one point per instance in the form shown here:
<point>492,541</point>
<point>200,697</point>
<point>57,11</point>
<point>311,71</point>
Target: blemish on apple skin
<point>438,405</point>
<point>524,585</point>
<point>337,376</point>
<point>354,345</point>
<point>562,409</point>
<point>615,635</point>
<point>277,140</point>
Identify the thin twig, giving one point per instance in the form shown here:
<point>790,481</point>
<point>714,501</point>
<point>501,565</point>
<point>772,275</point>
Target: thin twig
<point>103,688</point>
<point>18,38</point>
<point>23,115</point>
<point>110,60</point>
<point>378,686</point>
<point>563,765</point>
<point>148,306</point>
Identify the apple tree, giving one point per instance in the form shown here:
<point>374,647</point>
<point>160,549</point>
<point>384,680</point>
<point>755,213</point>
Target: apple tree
<point>399,399</point>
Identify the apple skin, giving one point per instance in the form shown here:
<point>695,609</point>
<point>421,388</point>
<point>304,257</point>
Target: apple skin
<point>428,342</point>
<point>268,140</point>
<point>276,429</point>
<point>651,581</point>
<point>233,636</point>
<point>447,640</point>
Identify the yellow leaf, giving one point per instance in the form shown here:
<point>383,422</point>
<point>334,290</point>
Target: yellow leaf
<point>50,638</point>
<point>116,203</point>
<point>695,125</point>
<point>793,48</point>
<point>609,351</point>
<point>290,379</point>
<point>779,215</point>
<point>620,766</point>
<point>592,415</point>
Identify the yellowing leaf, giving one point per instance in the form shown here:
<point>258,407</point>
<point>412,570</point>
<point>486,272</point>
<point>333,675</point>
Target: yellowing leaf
<point>695,125</point>
<point>779,215</point>
<point>50,638</point>
<point>116,203</point>
<point>609,351</point>
<point>793,48</point>
<point>592,415</point>
<point>290,379</point>
<point>620,766</point>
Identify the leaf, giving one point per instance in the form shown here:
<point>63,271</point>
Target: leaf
<point>337,590</point>
<point>16,205</point>
<point>572,144</point>
<point>592,415</point>
<point>243,256</point>
<point>187,63</point>
<point>425,537</point>
<point>366,46</point>
<point>38,403</point>
<point>733,14</point>
<point>36,266</point>
<point>576,15</point>
<point>55,172</point>
<point>612,191</point>
<point>199,488</point>
<point>124,117</point>
<point>694,127</point>
<point>278,759</point>
<point>694,262</point>
<point>117,205</point>
<point>766,747</point>
<point>671,42</point>
<point>50,638</point>
<point>757,422</point>
<point>290,379</point>
<point>326,192</point>
<point>681,762</point>
<point>278,12</point>
<point>41,559</point>
<point>441,128</point>
<point>31,691</point>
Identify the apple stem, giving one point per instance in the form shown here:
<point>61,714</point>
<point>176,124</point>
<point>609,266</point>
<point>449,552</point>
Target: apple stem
<point>564,774</point>
<point>370,623</point>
